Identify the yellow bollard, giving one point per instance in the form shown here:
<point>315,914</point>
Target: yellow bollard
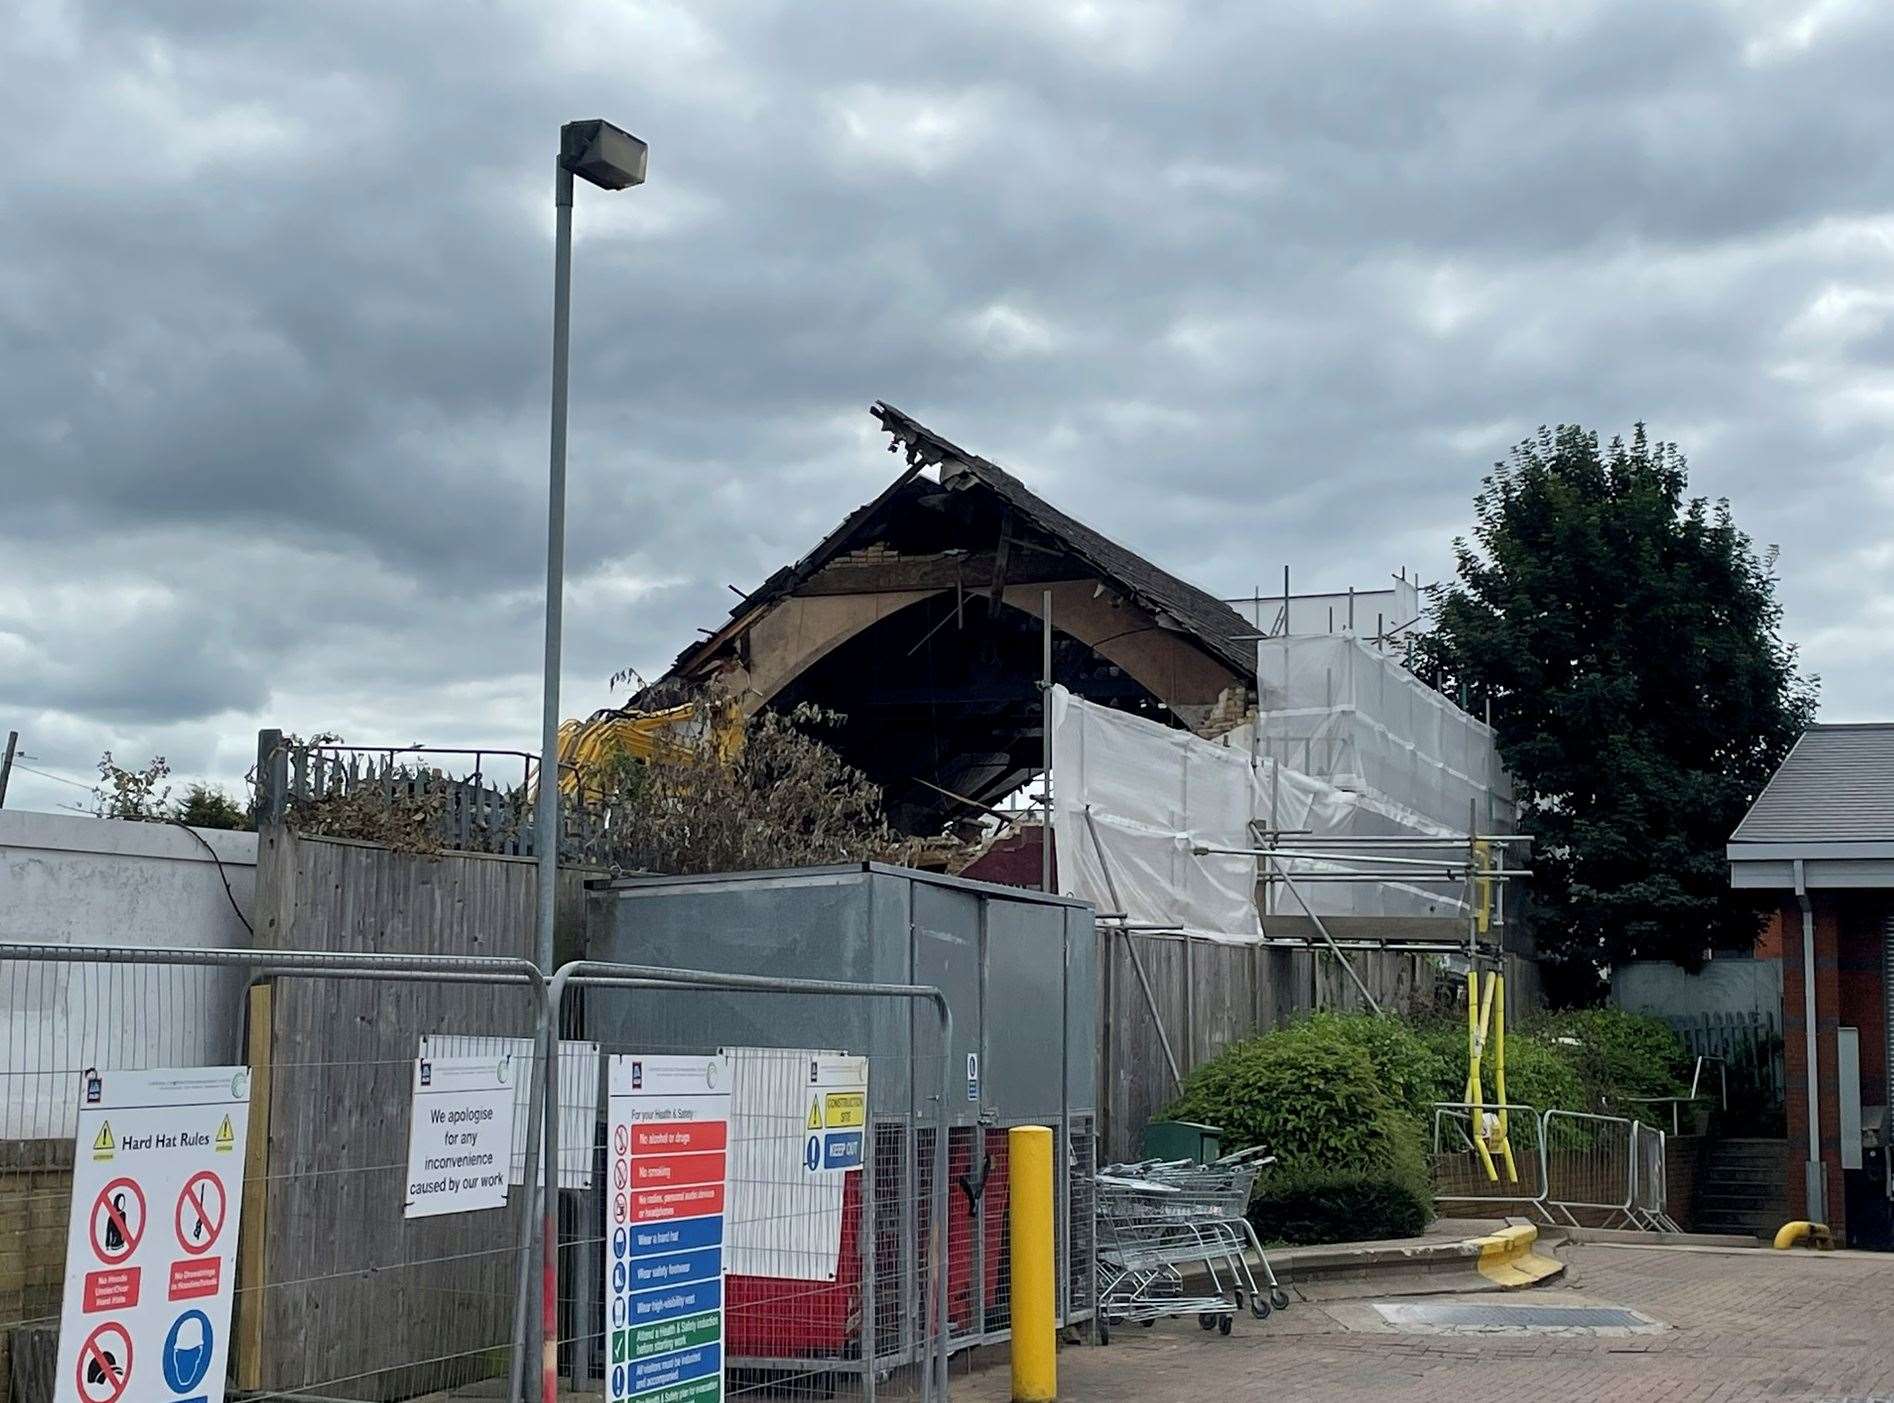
<point>1035,1327</point>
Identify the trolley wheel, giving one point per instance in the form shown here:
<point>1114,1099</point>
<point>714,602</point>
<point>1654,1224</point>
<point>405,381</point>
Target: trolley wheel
<point>1104,1330</point>
<point>1225,1323</point>
<point>1279,1298</point>
<point>1147,1324</point>
<point>1259,1307</point>
<point>1208,1320</point>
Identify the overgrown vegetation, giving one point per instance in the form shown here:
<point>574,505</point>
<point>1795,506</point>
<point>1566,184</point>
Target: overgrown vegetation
<point>142,795</point>
<point>1629,641</point>
<point>765,793</point>
<point>1345,1101</point>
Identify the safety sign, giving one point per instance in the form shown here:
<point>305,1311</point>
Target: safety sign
<point>836,1126</point>
<point>150,1254</point>
<point>460,1135</point>
<point>664,1268</point>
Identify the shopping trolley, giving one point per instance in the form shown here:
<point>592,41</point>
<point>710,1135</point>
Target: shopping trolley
<point>1157,1220</point>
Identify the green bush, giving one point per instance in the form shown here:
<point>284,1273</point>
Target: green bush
<point>1313,1099</point>
<point>1350,1157</point>
<point>1327,1205</point>
<point>1616,1054</point>
<point>1412,1068</point>
<point>1540,1072</point>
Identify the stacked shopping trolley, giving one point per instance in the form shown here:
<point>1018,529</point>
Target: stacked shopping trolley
<point>1173,1240</point>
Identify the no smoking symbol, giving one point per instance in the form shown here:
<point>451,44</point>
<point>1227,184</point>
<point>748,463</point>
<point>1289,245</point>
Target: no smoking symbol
<point>199,1217</point>
<point>118,1221</point>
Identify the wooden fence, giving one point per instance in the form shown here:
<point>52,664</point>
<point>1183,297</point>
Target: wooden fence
<point>353,1296</point>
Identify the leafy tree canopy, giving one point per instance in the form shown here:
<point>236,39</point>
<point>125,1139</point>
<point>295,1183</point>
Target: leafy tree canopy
<point>1629,641</point>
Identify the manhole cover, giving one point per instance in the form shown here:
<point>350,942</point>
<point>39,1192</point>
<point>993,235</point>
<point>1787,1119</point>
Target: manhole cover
<point>1468,1315</point>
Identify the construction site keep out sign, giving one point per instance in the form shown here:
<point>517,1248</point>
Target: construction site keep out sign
<point>157,1187</point>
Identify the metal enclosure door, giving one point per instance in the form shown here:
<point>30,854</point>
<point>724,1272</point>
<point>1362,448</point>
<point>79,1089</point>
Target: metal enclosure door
<point>945,927</point>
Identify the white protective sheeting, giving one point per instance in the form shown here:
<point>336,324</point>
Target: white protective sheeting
<point>1302,804</point>
<point>1153,794</point>
<point>1341,711</point>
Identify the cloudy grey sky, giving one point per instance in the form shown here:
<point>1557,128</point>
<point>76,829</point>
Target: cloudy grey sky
<point>1241,284</point>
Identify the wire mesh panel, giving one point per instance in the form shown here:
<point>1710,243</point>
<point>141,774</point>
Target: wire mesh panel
<point>1470,1160</point>
<point>1650,1206</point>
<point>339,1290</point>
<point>1081,1223</point>
<point>1588,1168</point>
<point>822,1269</point>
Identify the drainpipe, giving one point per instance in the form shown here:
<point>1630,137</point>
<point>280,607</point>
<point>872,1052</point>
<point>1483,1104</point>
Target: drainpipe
<point>1814,1175</point>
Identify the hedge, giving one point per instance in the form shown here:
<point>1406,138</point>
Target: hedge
<point>1345,1101</point>
<point>1347,1152</point>
<point>1311,1206</point>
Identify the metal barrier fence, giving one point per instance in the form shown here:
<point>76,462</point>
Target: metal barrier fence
<point>858,1283</point>
<point>1573,1169</point>
<point>337,1293</point>
<point>1650,1192</point>
<point>1460,1171</point>
<point>1588,1167</point>
<point>830,1286</point>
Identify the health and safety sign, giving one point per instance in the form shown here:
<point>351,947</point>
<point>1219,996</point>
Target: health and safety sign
<point>835,1128</point>
<point>664,1228</point>
<point>157,1189</point>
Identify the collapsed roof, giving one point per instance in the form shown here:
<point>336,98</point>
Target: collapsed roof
<point>918,619</point>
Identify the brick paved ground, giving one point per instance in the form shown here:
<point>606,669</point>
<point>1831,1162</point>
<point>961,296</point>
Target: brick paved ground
<point>1747,1325</point>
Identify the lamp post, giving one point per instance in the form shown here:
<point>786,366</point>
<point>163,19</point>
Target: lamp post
<point>612,159</point>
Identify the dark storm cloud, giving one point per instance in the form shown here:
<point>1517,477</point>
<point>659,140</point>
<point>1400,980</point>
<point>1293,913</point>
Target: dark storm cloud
<point>1245,285</point>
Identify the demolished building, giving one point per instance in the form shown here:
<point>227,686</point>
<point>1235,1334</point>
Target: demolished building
<point>923,619</point>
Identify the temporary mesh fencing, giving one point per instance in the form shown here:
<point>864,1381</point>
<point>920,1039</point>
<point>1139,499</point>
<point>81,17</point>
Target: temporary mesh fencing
<point>337,1293</point>
<point>858,1281</point>
<point>1571,1168</point>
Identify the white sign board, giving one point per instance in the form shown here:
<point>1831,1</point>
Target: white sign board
<point>836,1126</point>
<point>157,1189</point>
<point>578,1098</point>
<point>460,1135</point>
<point>664,1228</point>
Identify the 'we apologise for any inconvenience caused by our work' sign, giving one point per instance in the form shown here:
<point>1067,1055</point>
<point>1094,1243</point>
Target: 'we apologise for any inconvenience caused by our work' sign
<point>664,1228</point>
<point>157,1188</point>
<point>460,1135</point>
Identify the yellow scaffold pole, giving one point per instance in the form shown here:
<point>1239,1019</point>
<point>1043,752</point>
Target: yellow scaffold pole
<point>1486,1022</point>
<point>1477,1015</point>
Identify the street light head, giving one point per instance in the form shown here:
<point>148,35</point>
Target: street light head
<point>610,157</point>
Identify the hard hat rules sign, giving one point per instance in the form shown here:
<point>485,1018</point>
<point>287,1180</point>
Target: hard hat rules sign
<point>664,1228</point>
<point>157,1187</point>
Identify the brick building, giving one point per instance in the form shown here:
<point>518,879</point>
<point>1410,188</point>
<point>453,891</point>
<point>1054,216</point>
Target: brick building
<point>1821,838</point>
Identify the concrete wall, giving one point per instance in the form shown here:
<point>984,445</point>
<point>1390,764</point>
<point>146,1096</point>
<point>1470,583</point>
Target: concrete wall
<point>1723,986</point>
<point>67,880</point>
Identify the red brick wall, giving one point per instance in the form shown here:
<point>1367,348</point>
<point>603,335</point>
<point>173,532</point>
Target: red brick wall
<point>1794,1049</point>
<point>1848,993</point>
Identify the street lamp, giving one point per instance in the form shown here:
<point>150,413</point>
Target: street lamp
<point>612,159</point>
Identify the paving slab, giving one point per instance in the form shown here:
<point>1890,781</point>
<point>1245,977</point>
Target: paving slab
<point>1737,1326</point>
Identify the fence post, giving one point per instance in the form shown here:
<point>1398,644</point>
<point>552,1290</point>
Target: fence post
<point>272,777</point>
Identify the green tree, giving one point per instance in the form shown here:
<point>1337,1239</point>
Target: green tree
<point>1629,641</point>
<point>207,806</point>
